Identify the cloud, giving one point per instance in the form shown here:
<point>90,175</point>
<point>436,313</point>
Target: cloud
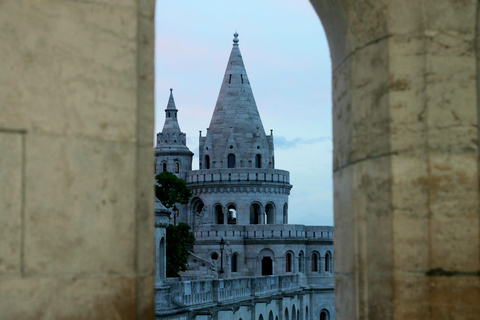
<point>284,143</point>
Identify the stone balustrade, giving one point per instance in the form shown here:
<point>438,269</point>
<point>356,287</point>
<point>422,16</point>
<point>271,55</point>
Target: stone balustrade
<point>191,292</point>
<point>199,292</point>
<point>274,231</point>
<point>240,175</point>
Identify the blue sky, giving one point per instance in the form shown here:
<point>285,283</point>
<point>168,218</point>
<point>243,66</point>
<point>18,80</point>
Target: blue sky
<point>288,63</point>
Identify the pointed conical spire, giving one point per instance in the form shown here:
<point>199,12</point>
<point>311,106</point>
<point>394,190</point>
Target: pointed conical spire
<point>236,116</point>
<point>171,102</point>
<point>171,133</point>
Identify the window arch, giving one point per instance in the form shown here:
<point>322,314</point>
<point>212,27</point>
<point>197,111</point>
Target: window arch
<point>255,214</point>
<point>177,167</point>
<point>314,259</point>
<point>207,162</point>
<point>231,160</point>
<point>294,317</point>
<point>288,262</point>
<point>231,214</point>
<point>258,161</point>
<point>214,256</point>
<point>164,167</point>
<point>234,263</point>
<point>324,315</point>
<point>270,315</point>
<point>218,214</point>
<point>306,312</point>
<point>286,314</point>
<point>270,212</point>
<point>328,262</point>
<point>260,317</point>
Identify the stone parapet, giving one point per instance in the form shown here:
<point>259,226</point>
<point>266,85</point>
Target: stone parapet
<point>240,175</point>
<point>274,231</point>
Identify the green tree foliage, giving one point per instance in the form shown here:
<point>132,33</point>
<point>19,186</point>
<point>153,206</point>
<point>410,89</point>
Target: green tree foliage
<point>170,189</point>
<point>180,242</point>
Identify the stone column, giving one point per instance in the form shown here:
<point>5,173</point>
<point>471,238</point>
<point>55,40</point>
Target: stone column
<point>406,162</point>
<point>76,200</point>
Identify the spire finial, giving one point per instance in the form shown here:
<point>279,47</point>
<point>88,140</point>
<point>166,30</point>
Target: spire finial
<point>171,89</point>
<point>235,39</point>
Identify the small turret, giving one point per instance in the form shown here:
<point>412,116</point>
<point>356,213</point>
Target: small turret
<point>171,152</point>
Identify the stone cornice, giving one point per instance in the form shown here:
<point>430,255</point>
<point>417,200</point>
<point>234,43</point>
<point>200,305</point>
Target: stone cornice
<point>229,187</point>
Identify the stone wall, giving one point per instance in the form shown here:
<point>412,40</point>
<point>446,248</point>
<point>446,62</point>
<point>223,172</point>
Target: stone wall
<point>76,197</point>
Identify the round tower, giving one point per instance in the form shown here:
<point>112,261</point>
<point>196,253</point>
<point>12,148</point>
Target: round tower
<point>237,182</point>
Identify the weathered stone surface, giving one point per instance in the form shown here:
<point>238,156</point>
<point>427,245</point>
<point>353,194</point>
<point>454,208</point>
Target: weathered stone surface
<point>76,199</point>
<point>55,298</point>
<point>405,92</point>
<point>11,201</point>
<point>79,229</point>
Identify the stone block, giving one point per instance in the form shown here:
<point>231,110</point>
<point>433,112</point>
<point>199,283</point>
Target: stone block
<point>11,202</point>
<point>83,82</point>
<point>79,215</point>
<point>411,296</point>
<point>455,297</point>
<point>68,298</point>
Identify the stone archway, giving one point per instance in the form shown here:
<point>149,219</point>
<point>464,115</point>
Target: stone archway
<point>406,153</point>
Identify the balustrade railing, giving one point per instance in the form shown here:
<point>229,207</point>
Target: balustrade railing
<point>208,291</point>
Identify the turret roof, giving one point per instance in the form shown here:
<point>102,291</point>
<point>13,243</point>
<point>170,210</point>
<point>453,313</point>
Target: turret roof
<point>235,107</point>
<point>171,102</point>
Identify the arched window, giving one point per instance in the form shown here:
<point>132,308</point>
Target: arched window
<point>327,261</point>
<point>164,166</point>
<point>219,214</point>
<point>270,315</point>
<point>314,262</point>
<point>214,256</point>
<point>207,162</point>
<point>288,262</point>
<point>270,211</point>
<point>231,160</point>
<point>294,315</point>
<point>258,161</point>
<point>255,214</point>
<point>285,213</point>
<point>260,317</point>
<point>324,315</point>
<point>234,262</point>
<point>306,312</point>
<point>286,314</point>
<point>232,214</point>
<point>177,167</point>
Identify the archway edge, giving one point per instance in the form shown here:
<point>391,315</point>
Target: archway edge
<point>393,90</point>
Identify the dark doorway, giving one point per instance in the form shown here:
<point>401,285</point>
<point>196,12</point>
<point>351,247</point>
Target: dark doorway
<point>267,266</point>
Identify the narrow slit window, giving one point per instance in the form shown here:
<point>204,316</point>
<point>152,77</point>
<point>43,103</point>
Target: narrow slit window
<point>241,76</point>
<point>230,79</point>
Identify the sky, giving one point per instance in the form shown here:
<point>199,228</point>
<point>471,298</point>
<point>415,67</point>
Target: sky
<point>288,64</point>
